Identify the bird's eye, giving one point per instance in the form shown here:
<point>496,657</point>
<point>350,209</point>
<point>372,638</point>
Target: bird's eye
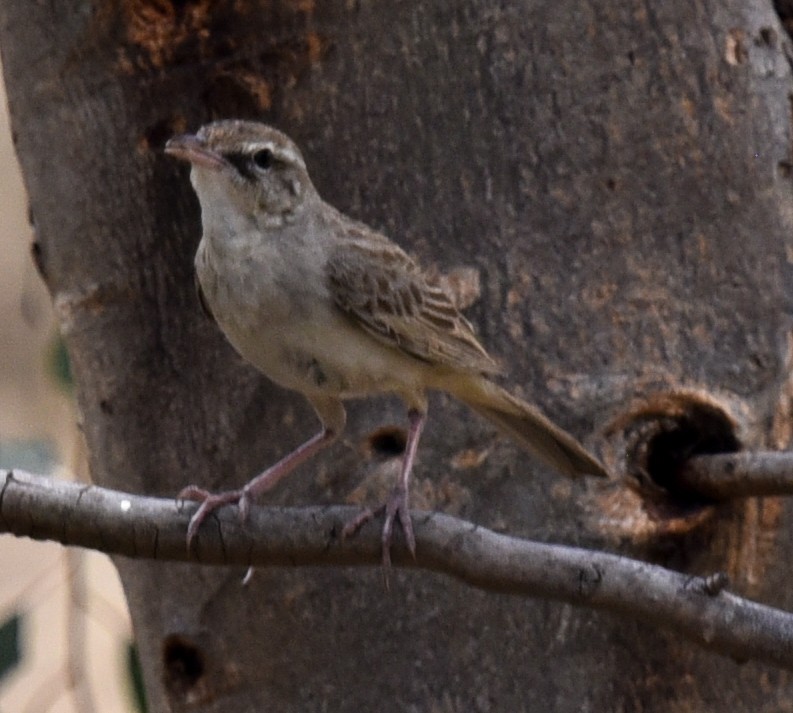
<point>263,159</point>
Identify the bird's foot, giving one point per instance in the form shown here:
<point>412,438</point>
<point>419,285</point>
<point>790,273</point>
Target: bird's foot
<point>396,509</point>
<point>211,502</point>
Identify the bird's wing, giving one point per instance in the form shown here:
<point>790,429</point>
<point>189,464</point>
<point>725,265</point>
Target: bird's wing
<point>386,293</point>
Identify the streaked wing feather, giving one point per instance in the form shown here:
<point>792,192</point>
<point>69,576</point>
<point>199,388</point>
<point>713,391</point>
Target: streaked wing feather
<point>385,291</point>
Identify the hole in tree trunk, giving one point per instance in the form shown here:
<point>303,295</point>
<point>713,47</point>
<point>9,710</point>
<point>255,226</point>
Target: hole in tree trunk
<point>388,441</point>
<point>184,668</point>
<point>700,432</point>
<point>663,432</point>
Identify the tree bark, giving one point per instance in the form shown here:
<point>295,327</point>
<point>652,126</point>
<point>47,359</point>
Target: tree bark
<point>618,174</point>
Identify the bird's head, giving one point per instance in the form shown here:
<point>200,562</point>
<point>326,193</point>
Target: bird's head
<point>245,170</point>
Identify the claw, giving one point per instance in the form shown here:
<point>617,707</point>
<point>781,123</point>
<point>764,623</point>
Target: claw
<point>396,509</point>
<point>351,528</point>
<point>209,503</point>
<point>397,506</point>
<point>258,485</point>
<point>244,504</point>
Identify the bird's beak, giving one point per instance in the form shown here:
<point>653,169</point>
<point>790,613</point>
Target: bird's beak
<point>189,147</point>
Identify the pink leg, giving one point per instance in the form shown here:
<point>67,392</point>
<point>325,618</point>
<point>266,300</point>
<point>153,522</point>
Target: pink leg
<point>397,506</point>
<point>260,484</point>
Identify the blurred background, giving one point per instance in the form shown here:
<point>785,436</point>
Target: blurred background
<point>65,643</point>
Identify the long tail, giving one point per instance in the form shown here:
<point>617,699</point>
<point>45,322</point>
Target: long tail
<point>524,423</point>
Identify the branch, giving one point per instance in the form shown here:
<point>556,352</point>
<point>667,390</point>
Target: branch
<point>117,523</point>
<point>737,475</point>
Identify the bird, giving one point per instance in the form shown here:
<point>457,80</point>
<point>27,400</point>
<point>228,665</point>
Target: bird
<point>326,306</point>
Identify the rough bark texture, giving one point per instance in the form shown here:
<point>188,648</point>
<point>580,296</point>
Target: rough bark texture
<point>620,176</point>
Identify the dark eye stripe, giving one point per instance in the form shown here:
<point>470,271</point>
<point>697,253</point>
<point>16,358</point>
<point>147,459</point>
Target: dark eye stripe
<point>242,162</point>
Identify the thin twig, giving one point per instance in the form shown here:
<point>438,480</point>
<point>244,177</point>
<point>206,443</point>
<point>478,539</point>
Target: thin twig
<point>117,523</point>
<point>739,475</point>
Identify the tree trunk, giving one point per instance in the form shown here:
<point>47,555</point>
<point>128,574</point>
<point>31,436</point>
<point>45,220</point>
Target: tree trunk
<point>619,177</point>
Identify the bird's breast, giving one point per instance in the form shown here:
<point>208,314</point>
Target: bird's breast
<point>250,281</point>
<point>278,314</point>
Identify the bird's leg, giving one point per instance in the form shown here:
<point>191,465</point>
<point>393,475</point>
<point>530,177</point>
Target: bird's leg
<point>331,413</point>
<point>397,506</point>
<point>253,488</point>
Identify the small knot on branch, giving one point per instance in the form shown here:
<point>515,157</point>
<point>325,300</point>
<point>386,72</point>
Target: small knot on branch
<point>711,586</point>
